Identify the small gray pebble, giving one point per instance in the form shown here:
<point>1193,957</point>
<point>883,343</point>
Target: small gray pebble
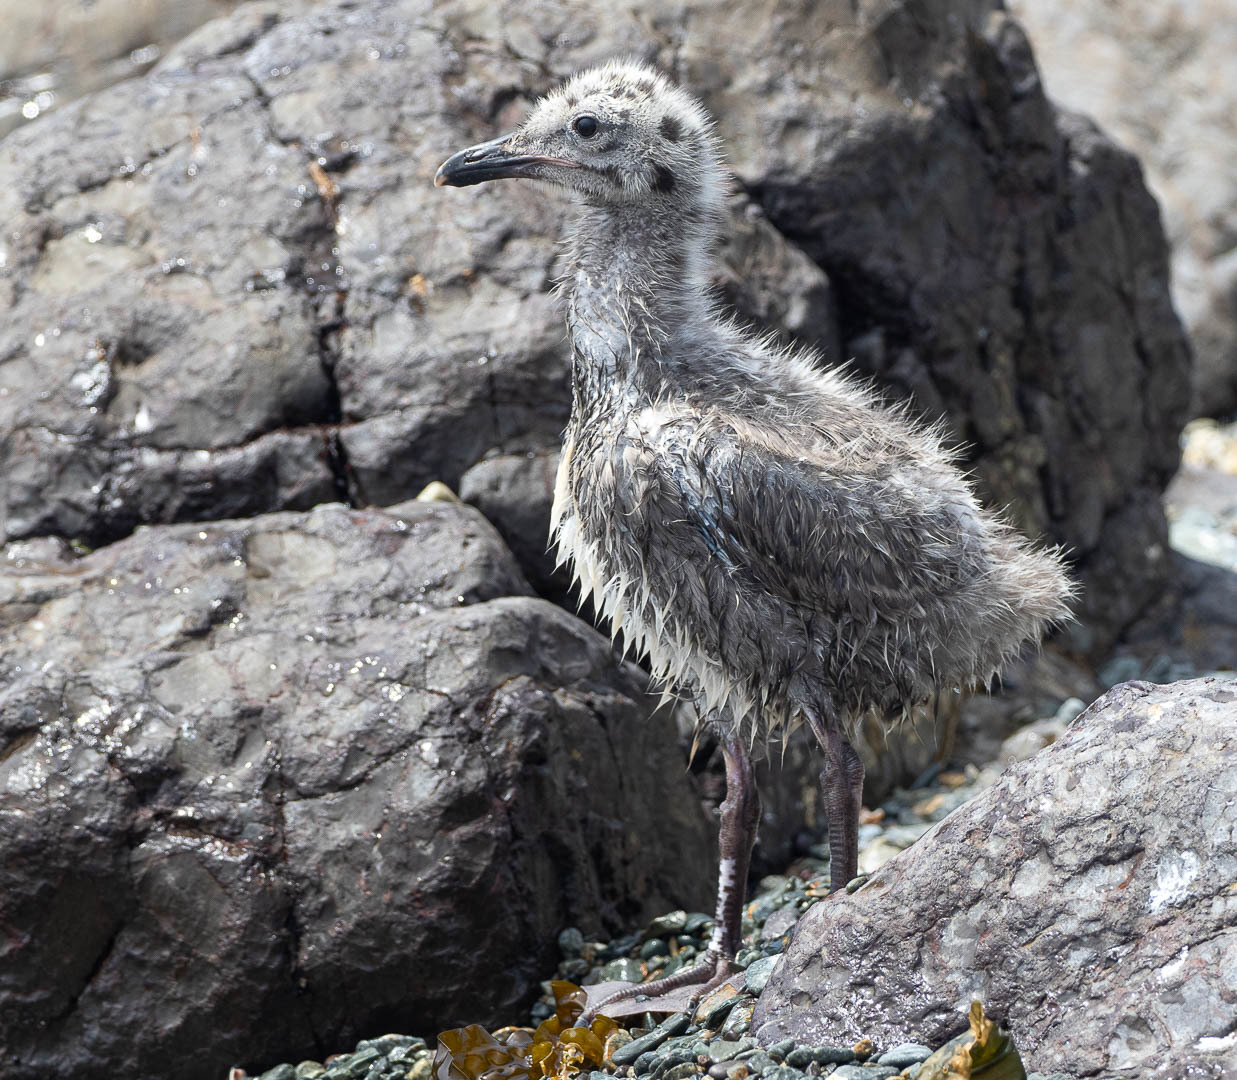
<point>665,925</point>
<point>746,956</point>
<point>642,1064</point>
<point>724,1049</point>
<point>757,1061</point>
<point>696,922</point>
<point>739,1022</point>
<point>623,970</point>
<point>905,1054</point>
<point>279,1072</point>
<point>719,1012</point>
<point>309,1070</point>
<point>680,1072</point>
<point>779,1050</point>
<point>570,943</point>
<point>863,1072</point>
<point>782,1072</point>
<point>597,1075</point>
<point>377,1071</point>
<point>822,1055</point>
<point>671,1060</point>
<point>758,973</point>
<point>653,947</point>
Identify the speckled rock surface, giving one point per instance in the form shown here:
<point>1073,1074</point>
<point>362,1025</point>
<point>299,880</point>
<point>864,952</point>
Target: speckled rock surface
<point>233,289</point>
<point>268,786</point>
<point>1087,899</point>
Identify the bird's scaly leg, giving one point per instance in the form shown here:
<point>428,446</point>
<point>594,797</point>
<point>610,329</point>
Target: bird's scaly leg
<point>740,817</point>
<point>841,788</point>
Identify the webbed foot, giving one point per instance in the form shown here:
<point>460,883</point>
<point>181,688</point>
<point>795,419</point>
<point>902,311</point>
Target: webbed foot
<point>706,975</point>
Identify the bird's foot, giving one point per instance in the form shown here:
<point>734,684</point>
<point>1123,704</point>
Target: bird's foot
<point>709,972</point>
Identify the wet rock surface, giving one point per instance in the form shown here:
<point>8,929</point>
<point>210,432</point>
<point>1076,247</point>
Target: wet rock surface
<point>233,276</point>
<point>1085,899</point>
<point>270,785</point>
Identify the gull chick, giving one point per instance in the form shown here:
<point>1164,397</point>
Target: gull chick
<point>780,546</point>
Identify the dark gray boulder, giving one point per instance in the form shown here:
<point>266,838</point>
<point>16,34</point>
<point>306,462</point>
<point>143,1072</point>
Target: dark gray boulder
<point>233,289</point>
<point>269,786</point>
<point>1085,899</point>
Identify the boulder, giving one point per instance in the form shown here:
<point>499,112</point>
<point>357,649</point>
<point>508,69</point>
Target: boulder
<point>1086,899</point>
<point>272,785</point>
<point>1154,75</point>
<point>233,288</point>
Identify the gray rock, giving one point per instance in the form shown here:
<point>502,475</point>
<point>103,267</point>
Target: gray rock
<point>515,492</point>
<point>758,973</point>
<point>672,1025</point>
<point>782,1072</point>
<point>254,773</point>
<point>1151,76</point>
<point>863,1072</point>
<point>904,1055</point>
<point>1082,899</point>
<point>803,1056</point>
<point>930,211</point>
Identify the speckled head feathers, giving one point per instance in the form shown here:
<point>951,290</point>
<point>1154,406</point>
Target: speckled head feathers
<point>617,134</point>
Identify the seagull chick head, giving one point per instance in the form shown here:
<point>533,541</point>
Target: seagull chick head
<point>619,134</point>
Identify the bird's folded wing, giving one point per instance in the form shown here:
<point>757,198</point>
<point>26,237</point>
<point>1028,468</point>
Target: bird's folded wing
<point>823,530</point>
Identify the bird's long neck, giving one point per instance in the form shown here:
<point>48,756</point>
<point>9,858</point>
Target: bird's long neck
<point>635,276</point>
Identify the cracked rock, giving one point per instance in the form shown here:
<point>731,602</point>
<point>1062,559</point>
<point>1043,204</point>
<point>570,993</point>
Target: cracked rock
<point>271,785</point>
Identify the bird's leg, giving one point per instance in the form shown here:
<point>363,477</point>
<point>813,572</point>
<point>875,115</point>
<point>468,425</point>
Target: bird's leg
<point>740,817</point>
<point>841,789</point>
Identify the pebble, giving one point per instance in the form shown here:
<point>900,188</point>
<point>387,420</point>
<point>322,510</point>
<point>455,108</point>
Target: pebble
<point>740,1020</point>
<point>667,925</point>
<point>779,1050</point>
<point>905,1054</point>
<point>680,1072</point>
<point>802,1057</point>
<point>571,943</point>
<point>629,1054</point>
<point>863,1072</point>
<point>279,1072</point>
<point>757,1061</point>
<point>715,1008</point>
<point>783,1072</point>
<point>722,1049</point>
<point>758,973</point>
<point>309,1070</point>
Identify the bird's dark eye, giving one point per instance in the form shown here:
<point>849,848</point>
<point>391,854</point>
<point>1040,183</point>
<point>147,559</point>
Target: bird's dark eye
<point>585,126</point>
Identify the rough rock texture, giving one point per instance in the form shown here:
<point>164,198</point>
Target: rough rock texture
<point>1157,75</point>
<point>269,786</point>
<point>53,52</point>
<point>1087,899</point>
<point>233,288</point>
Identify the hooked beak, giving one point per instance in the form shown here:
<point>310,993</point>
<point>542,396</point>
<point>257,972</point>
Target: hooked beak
<point>491,161</point>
